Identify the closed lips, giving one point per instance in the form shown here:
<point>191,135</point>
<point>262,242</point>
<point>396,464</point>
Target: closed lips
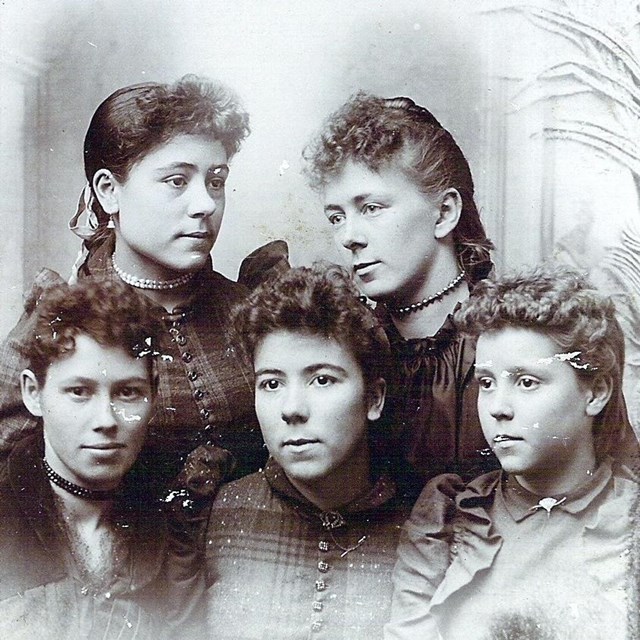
<point>197,234</point>
<point>299,442</point>
<point>505,438</point>
<point>105,446</point>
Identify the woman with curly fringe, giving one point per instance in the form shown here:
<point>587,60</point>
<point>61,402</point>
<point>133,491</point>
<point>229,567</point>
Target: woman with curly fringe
<point>545,543</point>
<point>399,195</point>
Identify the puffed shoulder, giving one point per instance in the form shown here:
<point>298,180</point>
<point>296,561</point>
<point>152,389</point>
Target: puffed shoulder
<point>264,263</point>
<point>45,279</point>
<point>437,502</point>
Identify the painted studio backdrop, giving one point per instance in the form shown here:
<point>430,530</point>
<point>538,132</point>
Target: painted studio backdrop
<point>543,97</point>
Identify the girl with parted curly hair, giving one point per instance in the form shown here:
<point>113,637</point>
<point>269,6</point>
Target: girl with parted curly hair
<point>317,528</point>
<point>156,160</point>
<point>548,537</point>
<point>399,194</point>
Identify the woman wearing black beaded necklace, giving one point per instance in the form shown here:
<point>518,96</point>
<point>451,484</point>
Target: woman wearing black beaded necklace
<point>85,552</point>
<point>399,194</point>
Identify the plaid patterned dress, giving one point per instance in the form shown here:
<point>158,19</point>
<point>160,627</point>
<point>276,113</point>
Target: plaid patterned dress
<point>281,569</point>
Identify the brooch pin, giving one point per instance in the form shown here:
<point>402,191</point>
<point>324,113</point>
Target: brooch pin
<point>547,504</point>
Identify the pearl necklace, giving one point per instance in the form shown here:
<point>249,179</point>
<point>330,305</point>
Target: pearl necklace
<point>76,489</point>
<point>417,306</point>
<point>146,283</point>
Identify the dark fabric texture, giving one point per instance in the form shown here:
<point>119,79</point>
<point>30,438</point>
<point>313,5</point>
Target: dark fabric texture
<point>432,399</point>
<point>281,568</point>
<point>157,595</point>
<point>205,393</point>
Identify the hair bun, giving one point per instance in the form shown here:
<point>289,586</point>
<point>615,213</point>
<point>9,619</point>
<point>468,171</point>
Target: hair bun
<point>402,102</point>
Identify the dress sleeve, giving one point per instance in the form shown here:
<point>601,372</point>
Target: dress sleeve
<point>423,559</point>
<point>15,421</point>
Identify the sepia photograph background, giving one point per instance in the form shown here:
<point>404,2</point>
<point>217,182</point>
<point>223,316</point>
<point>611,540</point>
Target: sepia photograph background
<point>542,96</point>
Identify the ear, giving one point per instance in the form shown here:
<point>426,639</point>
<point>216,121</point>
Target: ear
<point>104,186</point>
<point>449,215</point>
<point>599,394</point>
<point>30,392</point>
<point>375,398</point>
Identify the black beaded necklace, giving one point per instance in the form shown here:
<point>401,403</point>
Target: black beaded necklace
<point>75,489</point>
<point>417,306</point>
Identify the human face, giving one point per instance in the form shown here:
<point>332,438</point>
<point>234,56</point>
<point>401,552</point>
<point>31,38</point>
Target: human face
<point>170,208</point>
<point>95,405</point>
<point>313,405</point>
<point>387,226</point>
<point>536,414</point>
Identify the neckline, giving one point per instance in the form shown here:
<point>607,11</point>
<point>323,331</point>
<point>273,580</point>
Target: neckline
<point>520,502</point>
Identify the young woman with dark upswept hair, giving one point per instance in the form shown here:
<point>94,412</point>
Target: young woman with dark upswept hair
<point>157,157</point>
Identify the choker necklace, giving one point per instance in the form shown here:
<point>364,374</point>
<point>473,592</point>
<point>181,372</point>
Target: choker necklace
<point>146,283</point>
<point>417,306</point>
<point>74,489</point>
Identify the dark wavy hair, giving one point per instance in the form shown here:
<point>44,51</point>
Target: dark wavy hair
<point>561,303</point>
<point>322,300</point>
<point>107,311</point>
<point>135,120</point>
<point>376,132</point>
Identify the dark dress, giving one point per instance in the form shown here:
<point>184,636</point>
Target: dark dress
<point>432,397</point>
<point>156,592</point>
<point>205,393</point>
<point>283,569</point>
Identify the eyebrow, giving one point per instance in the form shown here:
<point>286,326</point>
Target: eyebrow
<point>358,200</point>
<point>76,380</point>
<point>310,369</point>
<point>192,167</point>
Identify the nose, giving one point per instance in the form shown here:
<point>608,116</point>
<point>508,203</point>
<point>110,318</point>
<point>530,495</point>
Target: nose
<point>500,406</point>
<point>105,413</point>
<point>294,408</point>
<point>201,204</point>
<point>351,234</point>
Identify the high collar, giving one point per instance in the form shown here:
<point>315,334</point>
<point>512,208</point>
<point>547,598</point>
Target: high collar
<point>380,497</point>
<point>521,503</point>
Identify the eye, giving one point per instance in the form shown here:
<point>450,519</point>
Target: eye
<point>323,380</point>
<point>78,392</point>
<point>371,207</point>
<point>178,182</point>
<point>270,384</point>
<point>216,184</point>
<point>485,383</point>
<point>132,393</point>
<point>528,382</point>
<point>336,219</point>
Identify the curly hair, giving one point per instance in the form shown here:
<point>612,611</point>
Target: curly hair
<point>376,132</point>
<point>560,302</point>
<point>321,300</point>
<point>107,311</point>
<point>135,120</point>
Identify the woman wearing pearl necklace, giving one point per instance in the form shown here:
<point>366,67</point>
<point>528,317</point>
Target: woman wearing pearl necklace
<point>157,158</point>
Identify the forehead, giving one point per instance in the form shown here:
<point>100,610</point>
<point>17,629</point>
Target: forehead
<point>356,178</point>
<point>185,148</point>
<point>518,347</point>
<point>94,361</point>
<point>296,350</point>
